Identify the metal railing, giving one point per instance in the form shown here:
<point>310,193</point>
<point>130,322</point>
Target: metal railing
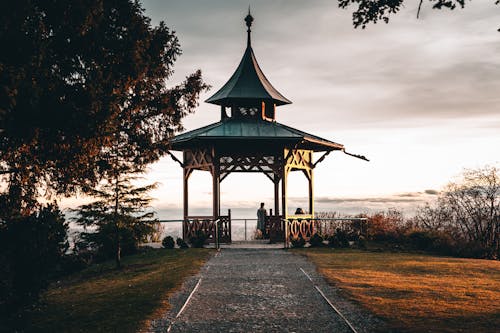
<point>245,227</point>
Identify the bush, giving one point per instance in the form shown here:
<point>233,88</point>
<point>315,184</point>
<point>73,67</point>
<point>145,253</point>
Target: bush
<point>340,239</point>
<point>362,242</point>
<point>31,249</point>
<point>434,241</point>
<point>198,240</point>
<point>422,240</point>
<point>316,240</point>
<point>181,243</point>
<point>74,262</point>
<point>168,242</point>
<point>298,242</point>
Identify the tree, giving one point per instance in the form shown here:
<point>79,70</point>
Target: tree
<point>370,11</point>
<point>68,71</point>
<point>120,217</point>
<point>469,210</point>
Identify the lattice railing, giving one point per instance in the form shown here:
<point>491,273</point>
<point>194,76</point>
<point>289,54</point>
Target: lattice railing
<point>207,224</point>
<point>274,228</point>
<point>305,227</point>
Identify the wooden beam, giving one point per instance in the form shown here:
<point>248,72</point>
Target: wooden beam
<point>357,156</point>
<point>175,158</point>
<point>321,158</point>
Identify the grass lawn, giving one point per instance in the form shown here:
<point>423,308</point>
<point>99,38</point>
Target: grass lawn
<point>415,292</point>
<point>103,299</point>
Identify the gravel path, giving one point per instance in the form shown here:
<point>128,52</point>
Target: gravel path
<point>261,290</point>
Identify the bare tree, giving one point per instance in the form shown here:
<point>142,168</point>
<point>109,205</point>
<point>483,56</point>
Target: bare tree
<point>470,209</point>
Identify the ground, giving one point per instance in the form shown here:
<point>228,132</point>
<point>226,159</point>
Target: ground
<point>269,290</point>
<point>417,292</point>
<point>261,290</point>
<point>104,299</point>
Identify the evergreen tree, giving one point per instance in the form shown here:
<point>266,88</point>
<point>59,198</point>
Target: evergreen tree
<point>120,216</point>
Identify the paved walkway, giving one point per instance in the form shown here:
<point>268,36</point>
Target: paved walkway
<point>261,290</point>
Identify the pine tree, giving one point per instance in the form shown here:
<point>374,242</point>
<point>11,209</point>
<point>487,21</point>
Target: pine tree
<point>121,215</point>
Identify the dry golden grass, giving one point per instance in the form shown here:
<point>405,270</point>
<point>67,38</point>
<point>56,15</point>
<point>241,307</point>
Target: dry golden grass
<point>415,292</point>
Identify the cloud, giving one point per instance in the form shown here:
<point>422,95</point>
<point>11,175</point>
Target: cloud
<point>431,192</point>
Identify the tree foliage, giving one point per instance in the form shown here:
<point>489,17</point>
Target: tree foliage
<point>118,220</point>
<point>31,247</point>
<point>372,11</point>
<point>71,73</point>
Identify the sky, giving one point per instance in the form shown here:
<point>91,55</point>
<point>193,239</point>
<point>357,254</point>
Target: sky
<point>419,97</point>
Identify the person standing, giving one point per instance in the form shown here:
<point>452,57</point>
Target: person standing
<point>261,219</point>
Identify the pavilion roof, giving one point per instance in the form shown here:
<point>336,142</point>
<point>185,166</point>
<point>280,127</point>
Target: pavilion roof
<point>250,130</point>
<point>248,83</point>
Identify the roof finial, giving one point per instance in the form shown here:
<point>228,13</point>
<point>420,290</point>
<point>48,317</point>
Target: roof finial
<point>249,20</point>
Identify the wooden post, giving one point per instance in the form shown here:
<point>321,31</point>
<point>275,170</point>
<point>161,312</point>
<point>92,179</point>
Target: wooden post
<point>186,192</point>
<point>284,179</point>
<point>311,192</point>
<point>276,196</point>
<point>215,187</point>
<point>229,226</point>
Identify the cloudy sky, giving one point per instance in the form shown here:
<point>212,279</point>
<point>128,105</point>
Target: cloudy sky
<point>420,98</point>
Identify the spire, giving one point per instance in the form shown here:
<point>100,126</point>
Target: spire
<point>248,84</point>
<point>249,20</point>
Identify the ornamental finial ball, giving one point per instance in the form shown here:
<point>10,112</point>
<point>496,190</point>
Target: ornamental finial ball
<point>249,19</point>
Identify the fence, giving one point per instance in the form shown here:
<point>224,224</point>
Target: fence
<point>304,227</point>
<point>241,229</point>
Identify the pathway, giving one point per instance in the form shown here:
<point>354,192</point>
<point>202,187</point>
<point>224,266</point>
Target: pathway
<point>261,290</point>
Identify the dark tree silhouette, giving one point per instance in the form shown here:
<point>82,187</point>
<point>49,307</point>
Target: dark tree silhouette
<point>370,11</point>
<point>70,71</point>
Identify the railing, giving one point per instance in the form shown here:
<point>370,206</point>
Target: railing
<point>249,227</point>
<point>303,226</point>
<point>211,227</point>
<point>277,229</point>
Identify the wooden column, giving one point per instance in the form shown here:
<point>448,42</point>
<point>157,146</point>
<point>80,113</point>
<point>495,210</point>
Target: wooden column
<point>215,187</point>
<point>311,192</point>
<point>284,180</point>
<point>186,192</point>
<point>276,195</point>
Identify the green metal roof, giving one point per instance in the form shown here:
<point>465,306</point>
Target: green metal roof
<point>242,129</point>
<point>247,83</point>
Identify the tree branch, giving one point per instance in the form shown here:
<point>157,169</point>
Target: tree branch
<point>419,7</point>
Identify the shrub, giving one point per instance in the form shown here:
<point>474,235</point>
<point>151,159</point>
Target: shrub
<point>339,239</point>
<point>74,262</point>
<point>316,240</point>
<point>422,240</point>
<point>168,242</point>
<point>181,243</point>
<point>198,240</point>
<point>298,242</point>
<point>31,248</point>
<point>362,242</point>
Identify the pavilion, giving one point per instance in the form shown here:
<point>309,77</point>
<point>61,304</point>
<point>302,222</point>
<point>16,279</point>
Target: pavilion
<point>249,139</point>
